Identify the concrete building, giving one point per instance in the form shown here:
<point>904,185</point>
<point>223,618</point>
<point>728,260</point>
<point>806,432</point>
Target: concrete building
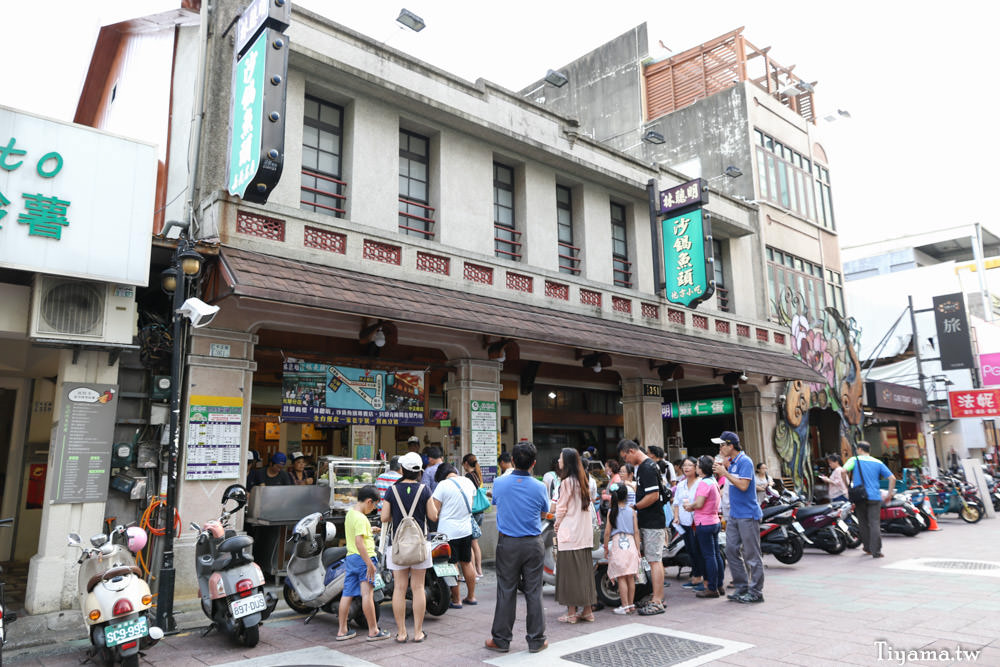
<point>461,252</point>
<point>728,112</point>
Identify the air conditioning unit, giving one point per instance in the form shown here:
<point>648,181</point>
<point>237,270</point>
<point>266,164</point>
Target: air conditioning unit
<point>82,311</point>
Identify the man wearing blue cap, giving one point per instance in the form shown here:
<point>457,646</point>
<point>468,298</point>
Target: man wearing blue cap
<point>272,475</point>
<point>743,526</point>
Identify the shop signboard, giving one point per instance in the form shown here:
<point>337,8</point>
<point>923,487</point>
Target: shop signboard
<point>974,403</point>
<point>687,258</point>
<point>895,397</point>
<point>214,437</point>
<point>485,435</point>
<point>709,407</point>
<point>82,459</point>
<point>989,367</point>
<point>952,325</point>
<point>74,201</point>
<point>331,395</point>
<point>686,195</point>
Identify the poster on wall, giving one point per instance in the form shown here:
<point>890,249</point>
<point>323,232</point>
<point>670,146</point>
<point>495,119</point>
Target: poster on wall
<point>485,437</point>
<point>82,460</point>
<point>362,442</point>
<point>215,426</point>
<point>333,395</point>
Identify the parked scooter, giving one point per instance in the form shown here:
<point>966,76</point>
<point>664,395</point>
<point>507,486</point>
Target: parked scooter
<point>438,579</point>
<point>114,598</point>
<point>900,516</point>
<point>781,535</point>
<point>315,573</point>
<point>6,617</point>
<point>231,584</point>
<point>824,526</point>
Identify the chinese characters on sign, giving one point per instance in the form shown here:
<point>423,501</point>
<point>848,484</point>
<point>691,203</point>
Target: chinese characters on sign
<point>484,433</point>
<point>44,215</point>
<point>974,403</point>
<point>952,332</point>
<point>706,408</point>
<point>989,366</point>
<point>214,436</point>
<point>686,262</point>
<point>685,195</point>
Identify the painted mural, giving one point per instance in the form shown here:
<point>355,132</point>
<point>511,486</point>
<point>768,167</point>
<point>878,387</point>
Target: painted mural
<point>828,345</point>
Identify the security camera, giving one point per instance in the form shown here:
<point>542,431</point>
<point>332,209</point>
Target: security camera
<point>199,312</point>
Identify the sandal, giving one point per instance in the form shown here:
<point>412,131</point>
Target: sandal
<point>350,635</point>
<point>382,634</point>
<point>417,641</point>
<point>586,619</point>
<point>568,618</point>
<point>403,640</point>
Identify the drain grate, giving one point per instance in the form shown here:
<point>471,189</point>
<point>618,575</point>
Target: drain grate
<point>961,565</point>
<point>646,650</point>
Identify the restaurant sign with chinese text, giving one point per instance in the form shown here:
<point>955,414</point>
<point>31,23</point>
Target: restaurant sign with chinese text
<point>974,403</point>
<point>687,258</point>
<point>683,196</point>
<point>709,407</point>
<point>74,201</point>
<point>954,342</point>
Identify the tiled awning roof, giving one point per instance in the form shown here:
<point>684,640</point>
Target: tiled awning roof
<point>288,281</point>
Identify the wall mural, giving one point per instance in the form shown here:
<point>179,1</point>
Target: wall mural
<point>829,346</point>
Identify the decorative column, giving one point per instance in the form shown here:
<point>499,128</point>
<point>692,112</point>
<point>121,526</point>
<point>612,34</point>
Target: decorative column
<point>643,416</point>
<point>759,412</point>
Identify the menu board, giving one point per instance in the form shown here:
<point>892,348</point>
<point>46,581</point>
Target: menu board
<point>215,426</point>
<point>82,459</point>
<point>485,436</point>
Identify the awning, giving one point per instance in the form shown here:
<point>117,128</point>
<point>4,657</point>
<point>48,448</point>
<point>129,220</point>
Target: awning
<point>287,281</point>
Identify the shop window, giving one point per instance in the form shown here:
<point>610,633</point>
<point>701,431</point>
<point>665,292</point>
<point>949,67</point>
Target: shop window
<point>322,189</point>
<point>506,238</point>
<point>415,215</point>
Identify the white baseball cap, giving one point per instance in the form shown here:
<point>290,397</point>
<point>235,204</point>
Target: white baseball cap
<point>411,461</point>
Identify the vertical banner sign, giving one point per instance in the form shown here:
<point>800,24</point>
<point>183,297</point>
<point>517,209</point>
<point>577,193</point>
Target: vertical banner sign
<point>952,325</point>
<point>989,367</point>
<point>82,460</point>
<point>214,437</point>
<point>485,435</point>
<point>687,258</point>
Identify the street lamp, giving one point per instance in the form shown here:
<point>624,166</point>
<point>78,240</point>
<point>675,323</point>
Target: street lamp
<point>185,264</point>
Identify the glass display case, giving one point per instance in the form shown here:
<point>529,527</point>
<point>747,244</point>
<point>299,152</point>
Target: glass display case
<point>345,476</point>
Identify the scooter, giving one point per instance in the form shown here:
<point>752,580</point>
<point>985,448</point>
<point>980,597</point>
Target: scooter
<point>315,573</point>
<point>781,535</point>
<point>825,526</point>
<point>900,516</point>
<point>6,617</point>
<point>231,584</point>
<point>438,579</point>
<point>114,598</point>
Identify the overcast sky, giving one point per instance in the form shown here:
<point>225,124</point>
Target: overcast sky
<point>915,155</point>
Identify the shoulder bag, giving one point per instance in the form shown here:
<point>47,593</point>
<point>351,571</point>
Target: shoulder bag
<point>858,494</point>
<point>477,532</point>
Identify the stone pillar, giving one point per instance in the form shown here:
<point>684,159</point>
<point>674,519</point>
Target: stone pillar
<point>52,571</point>
<point>472,380</point>
<point>642,414</point>
<point>759,412</point>
<point>223,376</point>
<point>525,416</point>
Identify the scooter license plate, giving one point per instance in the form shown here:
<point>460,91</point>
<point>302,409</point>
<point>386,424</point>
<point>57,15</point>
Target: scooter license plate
<point>379,582</point>
<point>125,632</point>
<point>843,525</point>
<point>798,526</point>
<point>246,606</point>
<point>446,569</point>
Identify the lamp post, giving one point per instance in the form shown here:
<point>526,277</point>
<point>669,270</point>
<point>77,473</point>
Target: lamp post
<point>186,263</point>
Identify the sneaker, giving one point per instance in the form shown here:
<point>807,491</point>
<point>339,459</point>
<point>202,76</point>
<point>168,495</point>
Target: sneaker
<point>699,588</point>
<point>750,598</point>
<point>735,596</point>
<point>689,585</point>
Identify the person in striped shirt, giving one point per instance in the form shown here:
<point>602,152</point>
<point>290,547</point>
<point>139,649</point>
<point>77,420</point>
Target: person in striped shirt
<point>388,478</point>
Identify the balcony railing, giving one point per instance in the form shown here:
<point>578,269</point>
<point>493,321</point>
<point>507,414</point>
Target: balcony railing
<point>723,298</point>
<point>506,243</point>
<point>413,224</point>
<point>320,186</point>
<point>569,258</point>
<point>622,269</point>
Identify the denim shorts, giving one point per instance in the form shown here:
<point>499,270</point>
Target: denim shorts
<point>356,572</point>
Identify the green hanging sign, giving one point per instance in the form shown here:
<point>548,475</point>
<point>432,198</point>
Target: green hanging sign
<point>687,258</point>
<point>710,407</point>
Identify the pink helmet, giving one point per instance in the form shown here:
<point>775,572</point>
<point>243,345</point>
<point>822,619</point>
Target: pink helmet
<point>136,539</point>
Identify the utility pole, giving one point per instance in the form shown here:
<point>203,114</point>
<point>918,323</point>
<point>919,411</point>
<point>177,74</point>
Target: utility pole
<point>928,435</point>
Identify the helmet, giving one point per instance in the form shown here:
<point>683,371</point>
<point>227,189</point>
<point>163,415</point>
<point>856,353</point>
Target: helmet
<point>331,533</point>
<point>236,493</point>
<point>136,539</point>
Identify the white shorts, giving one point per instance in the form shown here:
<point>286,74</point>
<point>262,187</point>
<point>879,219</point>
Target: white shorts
<point>419,566</point>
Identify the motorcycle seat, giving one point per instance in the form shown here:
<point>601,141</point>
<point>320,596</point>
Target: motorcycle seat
<point>812,510</point>
<point>235,544</point>
<point>107,575</point>
<point>768,512</point>
<point>332,555</point>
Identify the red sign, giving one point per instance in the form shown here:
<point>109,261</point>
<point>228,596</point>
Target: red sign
<point>974,403</point>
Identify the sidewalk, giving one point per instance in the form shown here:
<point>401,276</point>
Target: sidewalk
<point>824,610</point>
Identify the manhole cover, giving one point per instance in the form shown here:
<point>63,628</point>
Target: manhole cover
<point>646,650</point>
<point>961,565</point>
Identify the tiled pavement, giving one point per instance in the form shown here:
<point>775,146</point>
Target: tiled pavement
<point>825,610</point>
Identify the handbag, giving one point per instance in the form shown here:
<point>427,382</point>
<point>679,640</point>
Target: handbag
<point>858,494</point>
<point>481,502</point>
<point>477,532</point>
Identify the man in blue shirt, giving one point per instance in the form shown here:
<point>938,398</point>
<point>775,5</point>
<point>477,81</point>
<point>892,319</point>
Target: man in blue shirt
<point>743,526</point>
<point>867,470</point>
<point>521,501</point>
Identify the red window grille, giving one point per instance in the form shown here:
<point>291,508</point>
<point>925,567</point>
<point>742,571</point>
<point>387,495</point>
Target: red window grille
<point>763,335</point>
<point>779,338</point>
<point>433,263</point>
<point>675,316</point>
<point>621,305</point>
<point>324,239</point>
<point>569,258</point>
<point>416,218</point>
<point>382,252</point>
<point>557,290</point>
<point>323,188</point>
<point>743,330</point>
<point>478,274</point>
<point>590,298</point>
<point>722,326</point>
<point>622,272</point>
<point>651,311</point>
<point>700,321</point>
<point>516,281</point>
<point>260,225</point>
<point>507,242</point>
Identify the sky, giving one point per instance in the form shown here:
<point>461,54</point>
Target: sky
<point>916,154</point>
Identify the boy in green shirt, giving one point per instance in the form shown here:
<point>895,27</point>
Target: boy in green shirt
<point>360,565</point>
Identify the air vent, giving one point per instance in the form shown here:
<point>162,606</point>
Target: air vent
<point>74,308</point>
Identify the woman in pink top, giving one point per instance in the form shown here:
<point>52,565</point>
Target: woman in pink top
<point>705,506</point>
<point>575,539</point>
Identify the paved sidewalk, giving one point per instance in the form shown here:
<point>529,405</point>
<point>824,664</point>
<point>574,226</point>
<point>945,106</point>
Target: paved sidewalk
<point>825,610</point>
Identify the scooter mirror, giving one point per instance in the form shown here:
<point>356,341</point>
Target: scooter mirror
<point>74,540</point>
<point>99,540</point>
<point>195,527</point>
